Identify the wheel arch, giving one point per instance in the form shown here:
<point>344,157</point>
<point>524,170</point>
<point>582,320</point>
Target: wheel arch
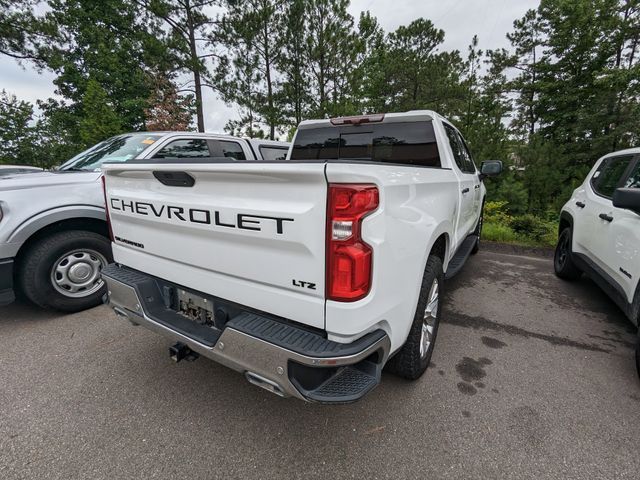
<point>88,219</point>
<point>440,246</point>
<point>566,220</point>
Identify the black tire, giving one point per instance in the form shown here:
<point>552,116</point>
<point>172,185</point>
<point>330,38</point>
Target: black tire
<point>478,231</point>
<point>563,257</point>
<point>410,362</point>
<point>36,278</point>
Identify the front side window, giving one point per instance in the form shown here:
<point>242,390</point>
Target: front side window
<point>232,150</point>
<point>185,148</point>
<point>116,149</point>
<point>606,179</point>
<point>405,143</point>
<point>633,181</point>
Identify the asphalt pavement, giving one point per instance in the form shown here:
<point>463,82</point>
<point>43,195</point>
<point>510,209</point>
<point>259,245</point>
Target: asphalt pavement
<point>532,377</point>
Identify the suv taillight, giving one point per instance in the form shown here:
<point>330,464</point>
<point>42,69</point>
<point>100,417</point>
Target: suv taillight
<point>349,258</point>
<point>106,207</point>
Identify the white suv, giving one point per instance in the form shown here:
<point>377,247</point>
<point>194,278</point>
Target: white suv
<point>600,231</point>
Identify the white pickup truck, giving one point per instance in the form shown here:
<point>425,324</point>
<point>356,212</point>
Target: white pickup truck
<point>307,275</point>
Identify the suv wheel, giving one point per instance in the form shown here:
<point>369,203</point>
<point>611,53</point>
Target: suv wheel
<point>415,355</point>
<point>62,271</point>
<point>563,258</point>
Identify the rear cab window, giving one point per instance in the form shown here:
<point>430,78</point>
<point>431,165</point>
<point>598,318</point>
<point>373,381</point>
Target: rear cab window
<point>399,143</point>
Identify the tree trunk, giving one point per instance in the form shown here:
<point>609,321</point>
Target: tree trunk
<point>267,63</point>
<point>195,67</point>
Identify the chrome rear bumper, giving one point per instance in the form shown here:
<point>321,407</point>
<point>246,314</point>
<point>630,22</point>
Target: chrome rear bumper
<point>284,371</point>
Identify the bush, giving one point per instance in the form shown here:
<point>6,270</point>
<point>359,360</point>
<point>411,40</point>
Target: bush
<point>496,212</point>
<point>531,226</point>
<point>495,232</point>
<point>525,229</point>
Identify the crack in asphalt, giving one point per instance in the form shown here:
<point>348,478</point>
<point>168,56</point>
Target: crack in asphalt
<point>468,321</point>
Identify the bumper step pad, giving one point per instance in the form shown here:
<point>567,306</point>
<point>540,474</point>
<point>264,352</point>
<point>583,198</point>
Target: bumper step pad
<point>347,385</point>
<point>298,340</point>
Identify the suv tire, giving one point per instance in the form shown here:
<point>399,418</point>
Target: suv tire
<point>62,271</point>
<point>563,257</point>
<point>415,355</point>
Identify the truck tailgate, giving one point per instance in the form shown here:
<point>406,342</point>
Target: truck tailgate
<point>252,233</point>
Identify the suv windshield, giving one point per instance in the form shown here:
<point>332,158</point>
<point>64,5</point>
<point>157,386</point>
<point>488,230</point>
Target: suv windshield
<point>405,143</point>
<point>116,149</point>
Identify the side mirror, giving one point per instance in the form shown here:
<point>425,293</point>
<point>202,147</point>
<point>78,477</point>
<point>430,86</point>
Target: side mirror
<point>490,168</point>
<point>627,198</point>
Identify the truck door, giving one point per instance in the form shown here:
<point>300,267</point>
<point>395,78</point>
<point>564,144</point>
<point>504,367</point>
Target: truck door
<point>467,183</point>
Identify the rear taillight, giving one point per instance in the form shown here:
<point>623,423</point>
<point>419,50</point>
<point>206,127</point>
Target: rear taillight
<point>349,258</point>
<point>106,207</point>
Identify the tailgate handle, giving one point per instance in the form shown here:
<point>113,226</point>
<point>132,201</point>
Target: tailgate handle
<point>175,179</point>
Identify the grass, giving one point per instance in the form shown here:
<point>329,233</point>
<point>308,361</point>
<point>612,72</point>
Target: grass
<point>496,232</point>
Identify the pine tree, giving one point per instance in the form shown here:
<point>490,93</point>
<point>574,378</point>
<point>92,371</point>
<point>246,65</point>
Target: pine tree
<point>99,118</point>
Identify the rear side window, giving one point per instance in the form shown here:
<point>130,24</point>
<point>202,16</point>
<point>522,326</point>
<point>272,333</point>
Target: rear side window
<point>405,143</point>
<point>273,153</point>
<point>185,148</point>
<point>232,150</point>
<point>459,149</point>
<point>606,179</point>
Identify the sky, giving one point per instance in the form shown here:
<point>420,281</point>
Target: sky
<point>460,19</point>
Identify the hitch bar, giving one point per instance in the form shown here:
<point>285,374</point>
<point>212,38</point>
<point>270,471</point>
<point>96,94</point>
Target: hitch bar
<point>180,351</point>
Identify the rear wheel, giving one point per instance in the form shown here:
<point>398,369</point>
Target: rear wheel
<point>62,271</point>
<point>415,355</point>
<point>562,260</point>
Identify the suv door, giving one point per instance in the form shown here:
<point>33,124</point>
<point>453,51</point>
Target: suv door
<point>592,227</point>
<point>622,242</point>
<point>467,181</point>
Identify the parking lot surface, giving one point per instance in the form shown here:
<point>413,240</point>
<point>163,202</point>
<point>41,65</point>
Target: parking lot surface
<point>531,377</point>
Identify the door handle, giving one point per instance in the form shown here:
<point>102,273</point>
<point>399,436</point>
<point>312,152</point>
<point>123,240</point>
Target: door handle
<point>465,190</point>
<point>580,204</point>
<point>477,186</point>
<point>606,217</point>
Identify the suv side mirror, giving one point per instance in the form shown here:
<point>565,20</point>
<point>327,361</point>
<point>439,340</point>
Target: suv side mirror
<point>490,168</point>
<point>627,198</point>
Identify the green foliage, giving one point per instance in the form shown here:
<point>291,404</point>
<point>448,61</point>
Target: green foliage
<point>99,119</point>
<point>496,212</point>
<point>17,136</point>
<point>527,229</point>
